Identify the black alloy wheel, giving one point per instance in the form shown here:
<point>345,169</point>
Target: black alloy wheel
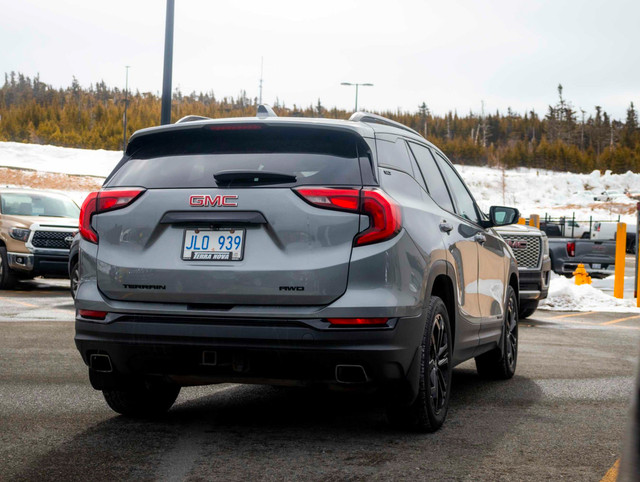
<point>428,411</point>
<point>74,277</point>
<point>439,364</point>
<point>500,363</point>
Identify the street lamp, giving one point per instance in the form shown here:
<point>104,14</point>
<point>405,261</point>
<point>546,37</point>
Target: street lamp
<point>357,85</point>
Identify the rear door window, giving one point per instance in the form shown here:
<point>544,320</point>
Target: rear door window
<point>465,205</point>
<point>436,185</point>
<point>191,157</point>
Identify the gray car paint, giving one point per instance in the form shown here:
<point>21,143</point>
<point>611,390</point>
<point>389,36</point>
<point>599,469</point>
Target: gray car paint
<point>389,279</point>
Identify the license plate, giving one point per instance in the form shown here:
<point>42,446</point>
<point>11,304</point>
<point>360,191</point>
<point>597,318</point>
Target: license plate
<point>596,265</point>
<point>213,244</point>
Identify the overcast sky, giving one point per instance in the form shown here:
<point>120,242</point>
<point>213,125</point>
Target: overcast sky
<point>452,54</point>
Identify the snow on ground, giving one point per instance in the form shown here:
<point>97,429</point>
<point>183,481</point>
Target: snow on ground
<point>58,159</point>
<point>564,295</point>
<point>536,191</point>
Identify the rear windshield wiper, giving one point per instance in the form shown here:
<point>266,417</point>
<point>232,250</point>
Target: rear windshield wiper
<point>251,178</point>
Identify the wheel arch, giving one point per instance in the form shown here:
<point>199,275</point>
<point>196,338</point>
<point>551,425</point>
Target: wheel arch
<point>441,285</point>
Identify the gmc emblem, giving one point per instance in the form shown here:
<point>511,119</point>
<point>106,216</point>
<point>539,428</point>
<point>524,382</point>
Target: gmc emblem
<point>517,244</point>
<point>204,200</point>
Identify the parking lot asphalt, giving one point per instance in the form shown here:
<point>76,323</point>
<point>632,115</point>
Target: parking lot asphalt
<point>562,416</point>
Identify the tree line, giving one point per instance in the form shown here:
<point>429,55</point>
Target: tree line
<point>564,138</point>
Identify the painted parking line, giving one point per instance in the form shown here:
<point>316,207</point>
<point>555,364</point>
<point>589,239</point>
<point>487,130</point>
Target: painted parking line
<point>31,305</point>
<point>618,320</point>
<point>22,303</point>
<point>573,314</point>
<point>612,473</point>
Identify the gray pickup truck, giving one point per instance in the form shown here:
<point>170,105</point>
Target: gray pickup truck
<point>598,256</point>
<point>531,249</point>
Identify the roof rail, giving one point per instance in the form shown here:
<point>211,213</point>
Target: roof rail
<point>265,111</point>
<point>378,119</point>
<point>191,118</point>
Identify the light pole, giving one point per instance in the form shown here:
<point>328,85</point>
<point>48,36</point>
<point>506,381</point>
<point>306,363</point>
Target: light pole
<point>357,85</point>
<point>165,114</point>
<point>126,103</point>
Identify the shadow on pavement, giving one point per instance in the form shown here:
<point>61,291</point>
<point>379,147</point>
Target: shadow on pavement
<point>257,431</point>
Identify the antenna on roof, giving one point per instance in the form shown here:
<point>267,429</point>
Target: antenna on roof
<point>265,111</point>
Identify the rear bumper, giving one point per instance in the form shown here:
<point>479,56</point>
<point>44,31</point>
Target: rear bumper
<point>205,350</point>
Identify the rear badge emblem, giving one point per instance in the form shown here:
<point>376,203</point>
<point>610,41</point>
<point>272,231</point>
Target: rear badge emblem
<point>204,200</point>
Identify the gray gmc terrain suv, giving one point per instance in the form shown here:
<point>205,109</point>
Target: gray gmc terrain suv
<point>290,251</point>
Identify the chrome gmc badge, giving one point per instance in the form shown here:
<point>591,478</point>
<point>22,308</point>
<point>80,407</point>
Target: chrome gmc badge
<point>517,244</point>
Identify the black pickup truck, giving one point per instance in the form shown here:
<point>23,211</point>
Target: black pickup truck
<point>598,256</point>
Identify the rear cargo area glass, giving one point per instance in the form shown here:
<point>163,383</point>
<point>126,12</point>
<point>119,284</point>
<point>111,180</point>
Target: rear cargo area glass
<point>191,157</point>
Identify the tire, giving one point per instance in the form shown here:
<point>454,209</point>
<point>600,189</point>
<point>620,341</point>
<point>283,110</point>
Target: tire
<point>428,412</point>
<point>147,401</point>
<point>527,308</point>
<point>7,278</point>
<point>74,277</point>
<point>500,363</point>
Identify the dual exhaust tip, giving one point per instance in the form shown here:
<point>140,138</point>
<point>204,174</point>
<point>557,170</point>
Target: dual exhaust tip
<point>100,363</point>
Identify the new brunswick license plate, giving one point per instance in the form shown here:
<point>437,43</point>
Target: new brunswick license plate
<point>213,244</point>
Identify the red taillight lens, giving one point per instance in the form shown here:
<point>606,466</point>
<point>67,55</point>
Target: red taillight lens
<point>571,248</point>
<point>96,315</point>
<point>341,199</point>
<point>384,214</point>
<point>385,217</point>
<point>110,200</point>
<point>86,211</point>
<point>357,321</point>
<point>102,201</point>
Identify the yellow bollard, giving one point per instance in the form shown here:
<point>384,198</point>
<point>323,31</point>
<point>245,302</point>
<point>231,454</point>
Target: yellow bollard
<point>522,221</point>
<point>621,246</point>
<point>534,220</point>
<point>580,276</point>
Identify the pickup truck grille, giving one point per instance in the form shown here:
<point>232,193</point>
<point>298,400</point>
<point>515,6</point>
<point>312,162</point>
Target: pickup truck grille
<point>51,239</point>
<point>526,249</point>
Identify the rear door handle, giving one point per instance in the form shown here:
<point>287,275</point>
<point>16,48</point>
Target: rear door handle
<point>479,238</point>
<point>446,227</point>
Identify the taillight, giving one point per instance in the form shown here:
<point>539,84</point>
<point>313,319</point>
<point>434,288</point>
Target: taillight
<point>357,321</point>
<point>339,199</point>
<point>385,217</point>
<point>571,248</point>
<point>86,211</point>
<point>103,201</point>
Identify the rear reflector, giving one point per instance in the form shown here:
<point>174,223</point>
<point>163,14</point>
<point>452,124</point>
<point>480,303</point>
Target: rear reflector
<point>357,321</point>
<point>96,315</point>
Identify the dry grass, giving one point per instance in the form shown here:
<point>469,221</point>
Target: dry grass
<point>48,180</point>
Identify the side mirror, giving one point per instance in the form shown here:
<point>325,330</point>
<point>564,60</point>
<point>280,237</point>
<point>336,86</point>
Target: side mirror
<point>501,215</point>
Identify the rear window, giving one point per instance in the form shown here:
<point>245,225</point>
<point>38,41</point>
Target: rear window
<point>192,157</point>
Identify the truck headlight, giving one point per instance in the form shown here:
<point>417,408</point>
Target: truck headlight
<point>19,234</point>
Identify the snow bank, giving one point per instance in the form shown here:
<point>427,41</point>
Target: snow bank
<point>64,160</point>
<point>564,295</point>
